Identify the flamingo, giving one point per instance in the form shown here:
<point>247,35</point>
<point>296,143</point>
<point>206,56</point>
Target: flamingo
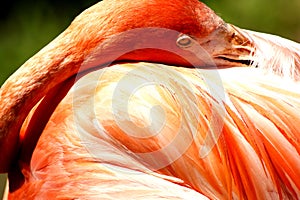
<point>154,99</point>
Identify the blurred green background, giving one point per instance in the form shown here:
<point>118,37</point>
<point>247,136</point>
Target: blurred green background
<point>27,26</point>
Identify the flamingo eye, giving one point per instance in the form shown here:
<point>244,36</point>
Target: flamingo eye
<point>184,41</point>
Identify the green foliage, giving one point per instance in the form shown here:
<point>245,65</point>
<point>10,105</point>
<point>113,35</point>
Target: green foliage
<point>23,33</point>
<point>29,27</point>
<point>279,17</point>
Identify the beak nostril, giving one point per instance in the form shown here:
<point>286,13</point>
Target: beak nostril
<point>233,35</point>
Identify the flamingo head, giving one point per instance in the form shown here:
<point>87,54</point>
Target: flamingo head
<point>185,33</point>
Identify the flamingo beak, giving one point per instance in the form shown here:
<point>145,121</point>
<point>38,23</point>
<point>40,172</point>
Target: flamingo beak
<point>229,46</point>
<point>240,48</point>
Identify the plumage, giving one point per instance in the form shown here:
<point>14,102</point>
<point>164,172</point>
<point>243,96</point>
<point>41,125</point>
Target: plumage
<point>256,156</point>
<point>276,54</point>
<point>214,117</point>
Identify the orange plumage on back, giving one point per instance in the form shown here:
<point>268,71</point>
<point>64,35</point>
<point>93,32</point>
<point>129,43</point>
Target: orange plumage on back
<point>248,160</point>
<point>214,116</point>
